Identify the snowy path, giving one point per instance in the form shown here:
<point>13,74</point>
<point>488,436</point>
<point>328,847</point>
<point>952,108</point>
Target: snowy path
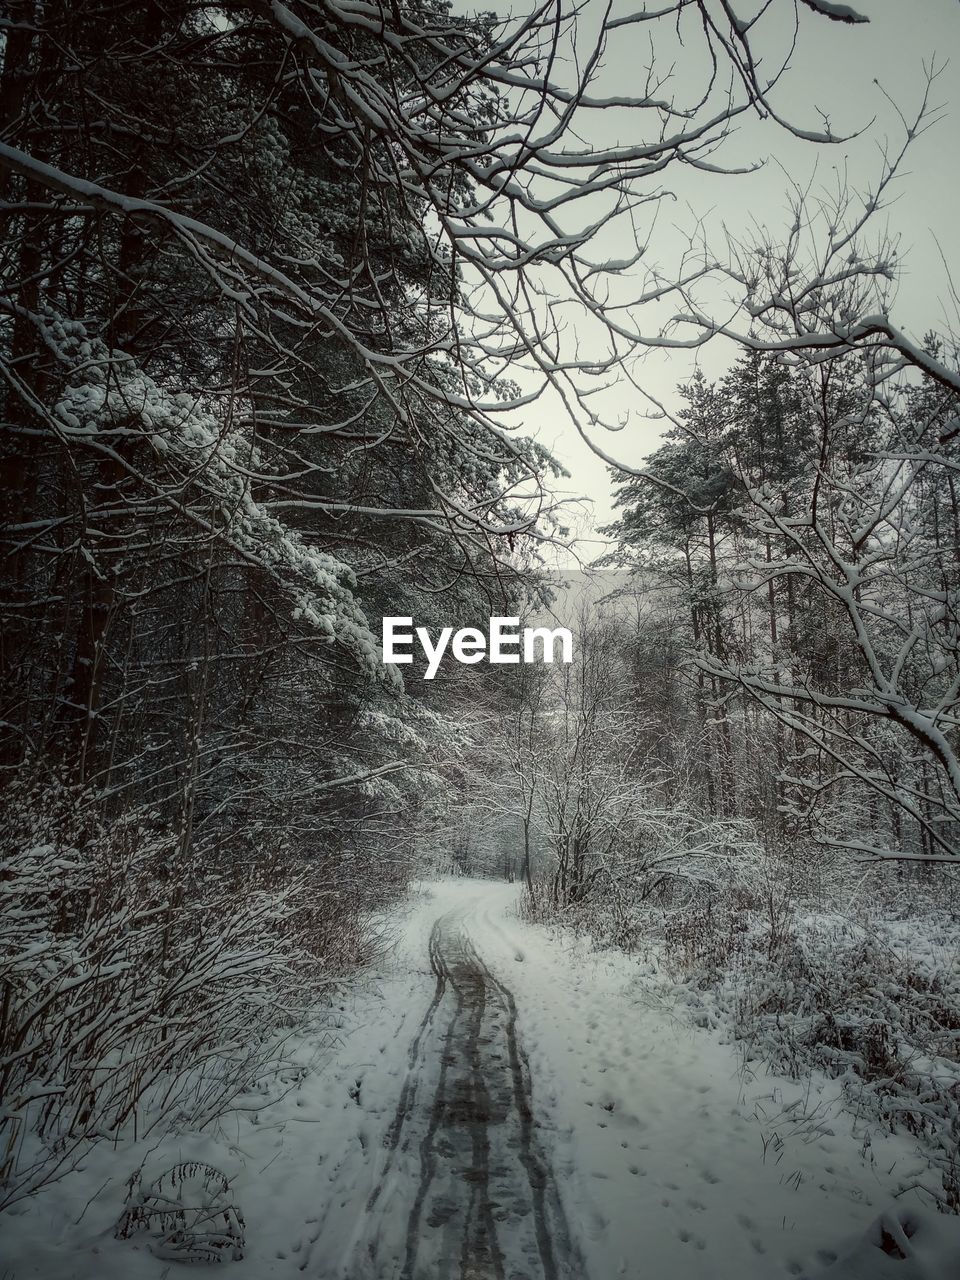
<point>506,1104</point>
<point>661,1155</point>
<point>485,1196</point>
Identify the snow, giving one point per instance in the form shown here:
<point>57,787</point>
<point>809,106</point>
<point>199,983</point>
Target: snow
<point>838,12</point>
<point>670,1156</point>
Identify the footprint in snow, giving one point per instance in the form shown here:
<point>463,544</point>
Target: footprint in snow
<point>687,1237</point>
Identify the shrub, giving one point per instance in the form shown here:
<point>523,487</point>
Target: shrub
<point>139,992</point>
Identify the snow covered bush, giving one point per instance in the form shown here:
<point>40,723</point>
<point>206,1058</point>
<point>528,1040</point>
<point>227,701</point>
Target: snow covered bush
<point>861,995</point>
<point>140,992</point>
<point>190,1213</point>
<point>667,864</point>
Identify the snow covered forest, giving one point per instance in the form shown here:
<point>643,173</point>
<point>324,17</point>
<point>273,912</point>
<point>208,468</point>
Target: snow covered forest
<point>310,313</point>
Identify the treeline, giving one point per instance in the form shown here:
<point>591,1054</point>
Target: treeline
<point>773,640</point>
<point>798,536</point>
<point>233,435</point>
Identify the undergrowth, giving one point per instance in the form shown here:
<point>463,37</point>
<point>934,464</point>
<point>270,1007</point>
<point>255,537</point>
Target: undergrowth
<point>819,974</point>
<point>142,992</point>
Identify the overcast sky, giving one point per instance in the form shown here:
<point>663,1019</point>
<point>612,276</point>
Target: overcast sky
<point>833,71</point>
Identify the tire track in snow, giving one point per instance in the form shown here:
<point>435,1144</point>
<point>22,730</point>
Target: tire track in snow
<point>486,1205</point>
<point>414,1072</point>
<point>394,1142</point>
<point>549,1218</point>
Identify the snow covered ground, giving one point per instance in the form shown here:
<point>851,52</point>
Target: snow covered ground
<point>668,1158</point>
